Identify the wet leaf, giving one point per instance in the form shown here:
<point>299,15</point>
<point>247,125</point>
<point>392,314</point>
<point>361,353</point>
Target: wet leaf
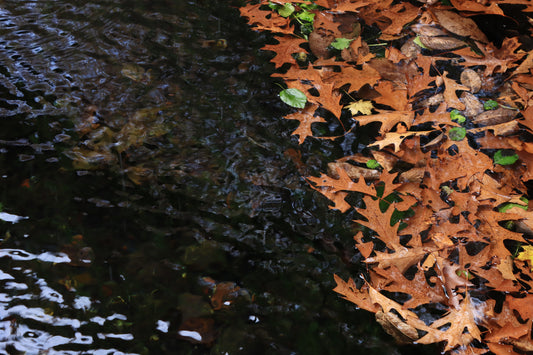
<point>293,97</point>
<point>434,230</point>
<point>361,106</point>
<point>526,255</point>
<point>505,158</point>
<point>286,10</point>
<point>341,43</point>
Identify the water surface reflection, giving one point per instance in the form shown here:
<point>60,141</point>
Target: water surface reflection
<point>165,207</point>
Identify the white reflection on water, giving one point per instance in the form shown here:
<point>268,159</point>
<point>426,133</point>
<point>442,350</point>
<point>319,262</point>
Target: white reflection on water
<point>38,318</point>
<point>18,254</point>
<point>13,218</point>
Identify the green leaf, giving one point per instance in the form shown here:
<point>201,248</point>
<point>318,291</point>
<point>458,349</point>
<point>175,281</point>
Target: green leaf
<point>286,10</point>
<point>417,42</point>
<point>503,157</point>
<point>490,105</point>
<point>341,43</point>
<point>457,133</point>
<point>456,116</point>
<point>372,164</point>
<point>293,97</point>
<point>310,6</point>
<point>507,206</point>
<point>306,16</point>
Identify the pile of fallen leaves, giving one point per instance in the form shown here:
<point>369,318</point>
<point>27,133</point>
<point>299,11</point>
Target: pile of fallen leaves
<point>446,224</point>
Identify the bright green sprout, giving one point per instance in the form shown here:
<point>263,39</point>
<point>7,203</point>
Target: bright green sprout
<point>456,116</point>
<point>372,164</point>
<point>490,105</point>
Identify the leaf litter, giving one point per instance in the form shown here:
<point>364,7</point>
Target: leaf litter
<point>453,144</point>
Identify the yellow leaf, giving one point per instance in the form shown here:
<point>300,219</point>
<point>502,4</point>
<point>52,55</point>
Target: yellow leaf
<point>362,106</point>
<point>526,255</point>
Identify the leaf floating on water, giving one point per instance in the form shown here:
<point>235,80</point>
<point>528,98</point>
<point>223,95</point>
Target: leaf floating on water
<point>434,235</point>
<point>293,97</point>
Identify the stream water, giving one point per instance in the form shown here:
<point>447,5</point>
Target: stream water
<point>152,198</point>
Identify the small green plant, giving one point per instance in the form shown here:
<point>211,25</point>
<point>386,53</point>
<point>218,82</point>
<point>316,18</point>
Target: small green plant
<point>372,164</point>
<point>505,157</point>
<point>457,133</point>
<point>456,116</point>
<point>490,105</point>
<point>301,13</point>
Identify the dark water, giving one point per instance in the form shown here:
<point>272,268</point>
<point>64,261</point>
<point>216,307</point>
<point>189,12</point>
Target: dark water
<point>160,193</point>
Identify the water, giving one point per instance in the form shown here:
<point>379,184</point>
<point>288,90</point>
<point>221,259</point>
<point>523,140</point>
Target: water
<point>152,198</point>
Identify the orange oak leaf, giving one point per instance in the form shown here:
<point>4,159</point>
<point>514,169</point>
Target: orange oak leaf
<point>343,183</point>
<point>450,95</point>
<point>399,15</point>
<point>349,291</point>
<point>396,139</point>
<point>475,6</point>
<point>356,78</point>
<point>388,119</point>
<point>306,117</point>
<point>380,222</point>
<point>284,50</point>
<point>266,20</point>
<point>462,326</point>
<point>495,60</point>
<point>392,280</point>
<point>392,96</point>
